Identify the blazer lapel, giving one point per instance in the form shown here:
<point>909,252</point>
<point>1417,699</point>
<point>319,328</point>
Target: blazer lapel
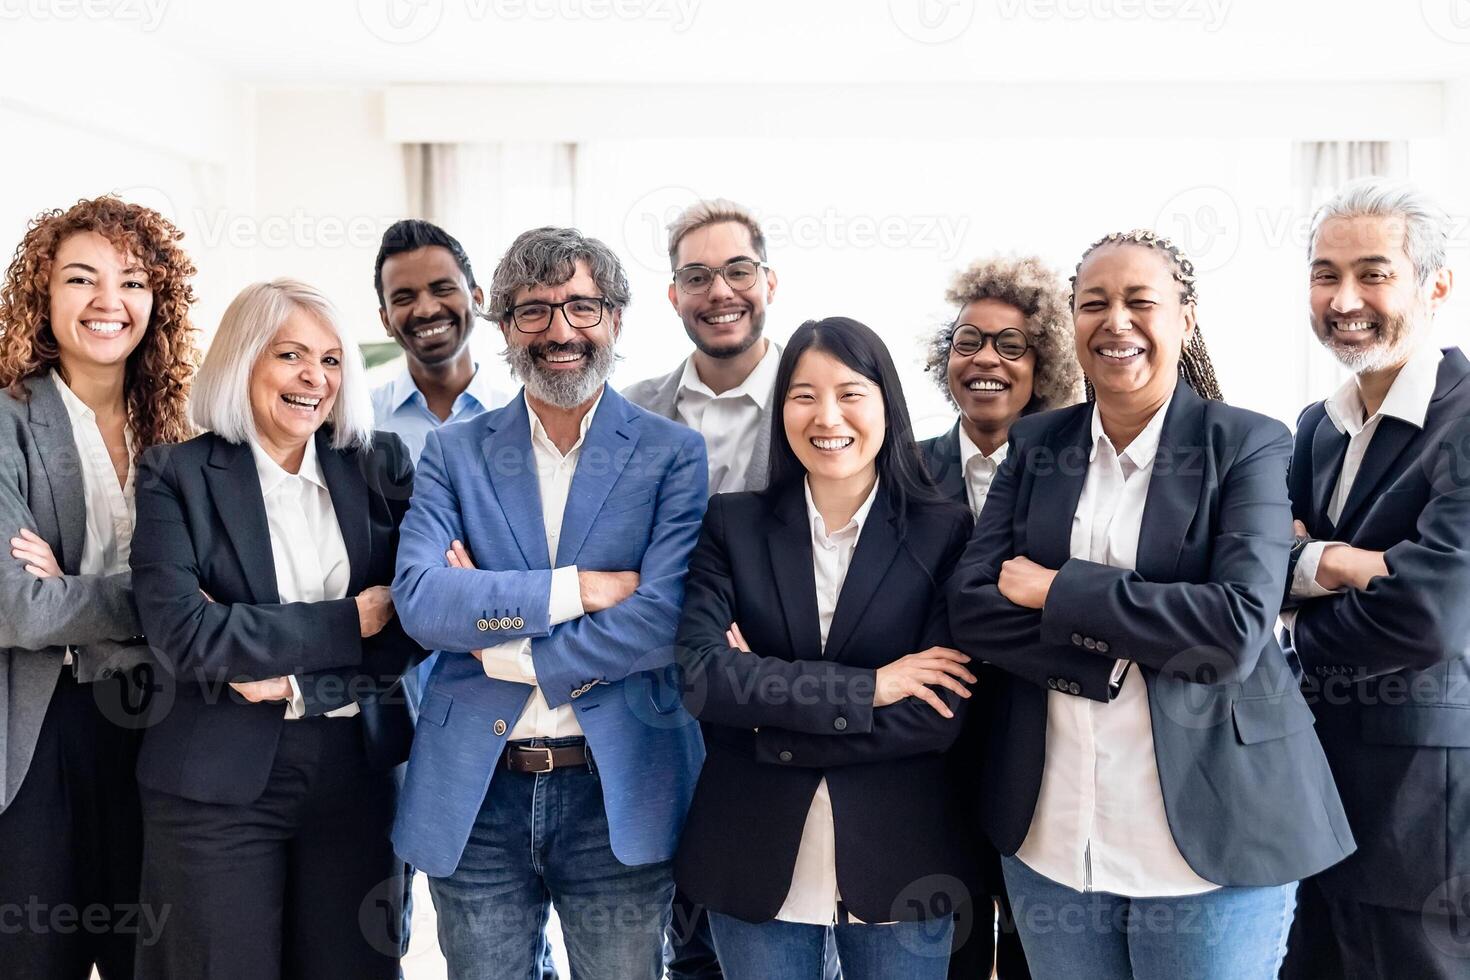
<point>349,491</point>
<point>510,463</point>
<point>1394,435</point>
<point>876,548</point>
<point>1329,448</point>
<point>56,444</point>
<point>945,466</point>
<point>235,486</point>
<point>758,473</point>
<point>609,444</point>
<point>1174,487</point>
<point>789,542</point>
<point>1048,527</point>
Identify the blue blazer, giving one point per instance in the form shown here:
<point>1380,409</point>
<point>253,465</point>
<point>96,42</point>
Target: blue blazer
<point>636,503</point>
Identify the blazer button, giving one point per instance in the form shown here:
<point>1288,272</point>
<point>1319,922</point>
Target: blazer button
<point>505,622</point>
<point>1102,646</point>
<point>577,693</point>
<point>840,724</point>
<point>1077,639</point>
<point>1073,688</point>
<point>1051,682</point>
<point>785,756</point>
<point>494,624</point>
<point>518,623</point>
<point>499,726</point>
<point>482,624</point>
<point>1089,643</point>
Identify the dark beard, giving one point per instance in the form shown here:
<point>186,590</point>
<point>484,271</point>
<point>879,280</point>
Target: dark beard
<point>757,327</point>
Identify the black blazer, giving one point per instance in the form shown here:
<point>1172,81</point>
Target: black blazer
<point>1388,669</point>
<point>778,720</point>
<point>942,458</point>
<point>202,526</point>
<point>1248,794</point>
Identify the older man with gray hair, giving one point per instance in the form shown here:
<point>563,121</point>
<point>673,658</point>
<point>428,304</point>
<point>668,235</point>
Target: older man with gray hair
<point>1379,611</point>
<point>544,555</point>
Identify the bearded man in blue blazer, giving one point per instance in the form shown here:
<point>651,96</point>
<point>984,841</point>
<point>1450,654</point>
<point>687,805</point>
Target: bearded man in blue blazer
<point>544,555</point>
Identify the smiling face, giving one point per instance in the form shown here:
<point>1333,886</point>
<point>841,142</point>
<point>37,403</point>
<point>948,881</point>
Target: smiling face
<point>100,303</point>
<point>990,390</point>
<point>834,419</point>
<point>722,322</point>
<point>1366,303</point>
<point>294,383</point>
<point>1130,323</point>
<point>562,365</point>
<point>429,307</point>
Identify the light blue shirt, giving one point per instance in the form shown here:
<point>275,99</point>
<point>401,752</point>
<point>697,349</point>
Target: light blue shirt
<point>400,407</point>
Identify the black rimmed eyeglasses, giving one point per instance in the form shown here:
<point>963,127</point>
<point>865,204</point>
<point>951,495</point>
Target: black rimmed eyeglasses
<point>967,340</point>
<point>581,312</point>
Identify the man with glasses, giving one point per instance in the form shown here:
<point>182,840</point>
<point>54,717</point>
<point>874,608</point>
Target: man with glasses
<point>544,555</point>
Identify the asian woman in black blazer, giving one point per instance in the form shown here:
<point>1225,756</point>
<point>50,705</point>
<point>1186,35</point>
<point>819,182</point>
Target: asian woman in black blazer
<point>1151,769</point>
<point>819,665</point>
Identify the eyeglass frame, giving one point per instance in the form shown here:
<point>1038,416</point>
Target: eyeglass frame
<point>992,337</point>
<point>602,305</point>
<point>717,271</point>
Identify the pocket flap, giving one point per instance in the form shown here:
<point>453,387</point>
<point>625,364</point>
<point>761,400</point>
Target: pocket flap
<point>434,708</point>
<point>1262,719</point>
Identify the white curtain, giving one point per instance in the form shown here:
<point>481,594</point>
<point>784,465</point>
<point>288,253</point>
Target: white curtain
<point>1320,168</point>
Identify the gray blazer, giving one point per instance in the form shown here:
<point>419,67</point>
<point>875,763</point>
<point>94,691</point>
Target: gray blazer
<point>41,489</point>
<point>660,396</point>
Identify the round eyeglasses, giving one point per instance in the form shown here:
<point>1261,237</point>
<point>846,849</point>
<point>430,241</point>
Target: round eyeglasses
<point>967,340</point>
<point>739,275</point>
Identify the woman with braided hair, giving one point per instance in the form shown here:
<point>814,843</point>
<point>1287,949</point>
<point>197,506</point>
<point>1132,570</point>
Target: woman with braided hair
<point>1151,774</point>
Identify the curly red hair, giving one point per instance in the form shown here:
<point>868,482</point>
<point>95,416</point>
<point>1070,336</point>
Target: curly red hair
<point>158,373</point>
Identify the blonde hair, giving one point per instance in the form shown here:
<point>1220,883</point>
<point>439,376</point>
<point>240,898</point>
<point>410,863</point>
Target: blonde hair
<point>221,397</point>
<point>712,212</point>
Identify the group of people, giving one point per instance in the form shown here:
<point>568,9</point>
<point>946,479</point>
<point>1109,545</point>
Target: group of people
<point>1112,679</point>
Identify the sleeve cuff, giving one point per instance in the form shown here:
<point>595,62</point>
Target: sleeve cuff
<point>509,662</point>
<point>296,707</point>
<point>1304,584</point>
<point>566,595</point>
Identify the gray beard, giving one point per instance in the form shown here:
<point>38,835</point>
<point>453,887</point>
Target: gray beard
<point>1397,337</point>
<point>564,389</point>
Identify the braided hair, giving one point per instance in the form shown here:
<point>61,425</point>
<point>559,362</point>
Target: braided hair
<point>1194,360</point>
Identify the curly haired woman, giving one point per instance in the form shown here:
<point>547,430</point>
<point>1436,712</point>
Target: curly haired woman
<point>96,354</point>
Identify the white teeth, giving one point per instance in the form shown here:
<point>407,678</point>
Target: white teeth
<point>1120,354</point>
<point>105,327</point>
<point>563,358</point>
<point>724,318</point>
<point>431,331</point>
<point>986,384</point>
<point>1354,326</point>
<point>302,401</point>
<point>832,444</point>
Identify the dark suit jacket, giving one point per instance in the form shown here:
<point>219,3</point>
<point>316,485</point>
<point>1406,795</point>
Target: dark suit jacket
<point>1248,794</point>
<point>778,720</point>
<point>202,526</point>
<point>942,457</point>
<point>1388,669</point>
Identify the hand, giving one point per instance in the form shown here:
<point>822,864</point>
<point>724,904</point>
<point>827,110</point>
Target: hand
<point>1298,529</point>
<point>914,676</point>
<point>1025,583</point>
<point>736,639</point>
<point>603,590</point>
<point>458,556</point>
<point>1345,567</point>
<point>32,549</point>
<point>274,689</point>
<point>374,609</point>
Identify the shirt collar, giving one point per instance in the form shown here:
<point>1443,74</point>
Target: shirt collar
<point>78,411</point>
<point>758,385</point>
<point>272,474</point>
<point>538,431</point>
<point>1145,445</point>
<point>819,526</point>
<point>1408,397</point>
<point>969,451</point>
<point>480,389</point>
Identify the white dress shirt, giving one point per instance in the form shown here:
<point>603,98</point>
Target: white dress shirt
<point>979,470</point>
<point>1407,399</point>
<point>1099,823</point>
<point>307,549</point>
<point>728,421</point>
<point>110,506</point>
<point>813,896</point>
<point>511,661</point>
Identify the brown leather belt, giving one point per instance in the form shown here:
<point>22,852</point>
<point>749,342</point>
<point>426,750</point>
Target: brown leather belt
<point>523,758</point>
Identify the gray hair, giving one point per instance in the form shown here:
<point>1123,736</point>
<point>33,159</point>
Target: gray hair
<point>220,400</point>
<point>713,212</point>
<point>1426,226</point>
<point>548,257</point>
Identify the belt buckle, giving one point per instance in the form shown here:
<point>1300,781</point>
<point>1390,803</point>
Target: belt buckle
<point>550,765</point>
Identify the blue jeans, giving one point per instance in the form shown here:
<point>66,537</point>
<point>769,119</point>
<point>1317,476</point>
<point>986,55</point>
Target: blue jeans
<point>540,839</point>
<point>1226,934</point>
<point>792,951</point>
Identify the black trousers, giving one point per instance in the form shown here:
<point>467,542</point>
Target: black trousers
<point>1332,937</point>
<point>982,940</point>
<point>300,883</point>
<point>71,840</point>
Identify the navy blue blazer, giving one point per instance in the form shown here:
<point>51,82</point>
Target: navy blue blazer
<point>779,720</point>
<point>942,458</point>
<point>1388,668</point>
<point>1247,791</point>
<point>202,528</point>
